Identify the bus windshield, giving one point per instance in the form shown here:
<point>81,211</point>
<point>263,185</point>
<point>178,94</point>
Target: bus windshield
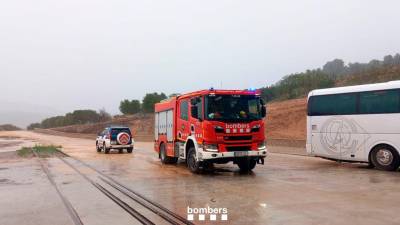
<point>233,108</point>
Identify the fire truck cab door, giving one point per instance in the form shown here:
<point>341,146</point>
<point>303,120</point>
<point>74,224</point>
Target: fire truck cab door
<point>196,118</point>
<point>183,124</point>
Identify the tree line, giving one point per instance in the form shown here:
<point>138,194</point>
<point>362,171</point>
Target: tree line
<point>127,107</point>
<point>333,73</point>
<point>134,106</point>
<point>73,118</point>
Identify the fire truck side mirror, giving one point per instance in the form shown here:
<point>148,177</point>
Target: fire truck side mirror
<point>263,108</point>
<point>263,111</point>
<point>194,112</point>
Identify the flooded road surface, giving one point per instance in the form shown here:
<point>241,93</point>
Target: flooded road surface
<point>288,189</point>
<point>10,144</point>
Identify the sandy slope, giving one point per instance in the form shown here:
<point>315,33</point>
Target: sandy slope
<point>287,119</point>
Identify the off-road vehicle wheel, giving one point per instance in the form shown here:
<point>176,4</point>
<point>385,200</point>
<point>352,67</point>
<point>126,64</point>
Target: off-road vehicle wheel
<point>97,147</point>
<point>106,150</point>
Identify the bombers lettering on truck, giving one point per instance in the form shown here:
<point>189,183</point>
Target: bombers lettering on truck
<point>237,126</point>
<point>224,126</point>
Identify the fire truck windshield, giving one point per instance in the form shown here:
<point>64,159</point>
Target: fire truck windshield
<point>233,108</point>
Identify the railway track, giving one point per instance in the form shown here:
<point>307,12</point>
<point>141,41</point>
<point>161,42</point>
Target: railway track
<point>111,188</point>
<point>70,209</point>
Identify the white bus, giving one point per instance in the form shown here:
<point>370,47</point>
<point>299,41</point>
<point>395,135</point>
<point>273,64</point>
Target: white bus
<point>356,123</point>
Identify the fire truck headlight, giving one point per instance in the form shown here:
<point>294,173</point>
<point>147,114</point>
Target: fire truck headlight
<point>210,147</point>
<point>219,129</point>
<point>255,128</point>
<point>261,145</point>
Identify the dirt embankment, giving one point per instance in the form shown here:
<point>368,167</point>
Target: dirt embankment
<point>285,125</point>
<point>287,120</point>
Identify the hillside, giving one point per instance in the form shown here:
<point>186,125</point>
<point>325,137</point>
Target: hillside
<point>286,119</point>
<point>376,75</point>
<point>334,73</point>
<point>9,127</point>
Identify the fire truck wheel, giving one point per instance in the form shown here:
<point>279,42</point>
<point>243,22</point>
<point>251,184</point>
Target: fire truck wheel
<point>246,165</point>
<point>173,160</point>
<point>208,166</point>
<point>163,154</point>
<point>164,158</point>
<point>129,150</point>
<point>192,162</point>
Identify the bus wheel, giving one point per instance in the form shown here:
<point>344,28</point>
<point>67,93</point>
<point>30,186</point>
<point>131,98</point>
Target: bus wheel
<point>192,162</point>
<point>246,165</point>
<point>385,157</point>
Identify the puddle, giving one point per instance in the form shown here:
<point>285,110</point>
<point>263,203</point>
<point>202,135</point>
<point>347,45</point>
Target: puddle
<point>296,179</point>
<point>8,144</point>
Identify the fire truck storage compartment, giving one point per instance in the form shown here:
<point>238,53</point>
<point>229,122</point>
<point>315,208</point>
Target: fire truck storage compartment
<point>156,126</point>
<point>164,124</point>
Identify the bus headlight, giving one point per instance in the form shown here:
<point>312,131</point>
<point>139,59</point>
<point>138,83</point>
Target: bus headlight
<point>210,147</point>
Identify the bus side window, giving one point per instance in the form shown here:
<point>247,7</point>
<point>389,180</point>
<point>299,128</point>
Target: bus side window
<point>337,104</point>
<point>373,102</point>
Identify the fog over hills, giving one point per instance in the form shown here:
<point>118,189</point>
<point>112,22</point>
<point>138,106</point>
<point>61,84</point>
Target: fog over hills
<point>22,114</point>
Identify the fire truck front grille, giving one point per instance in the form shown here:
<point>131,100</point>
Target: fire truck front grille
<point>237,138</point>
<point>238,148</point>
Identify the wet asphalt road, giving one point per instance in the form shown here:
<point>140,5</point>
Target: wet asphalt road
<point>286,190</point>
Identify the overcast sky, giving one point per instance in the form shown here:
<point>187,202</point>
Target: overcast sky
<point>71,54</point>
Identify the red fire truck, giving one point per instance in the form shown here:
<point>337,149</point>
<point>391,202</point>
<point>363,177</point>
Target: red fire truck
<point>211,126</point>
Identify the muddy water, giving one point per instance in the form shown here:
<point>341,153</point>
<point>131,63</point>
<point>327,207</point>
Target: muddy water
<point>10,144</point>
<point>287,190</point>
<point>25,193</point>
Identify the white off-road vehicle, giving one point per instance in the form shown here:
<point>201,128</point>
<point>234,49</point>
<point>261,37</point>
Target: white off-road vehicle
<point>115,138</point>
